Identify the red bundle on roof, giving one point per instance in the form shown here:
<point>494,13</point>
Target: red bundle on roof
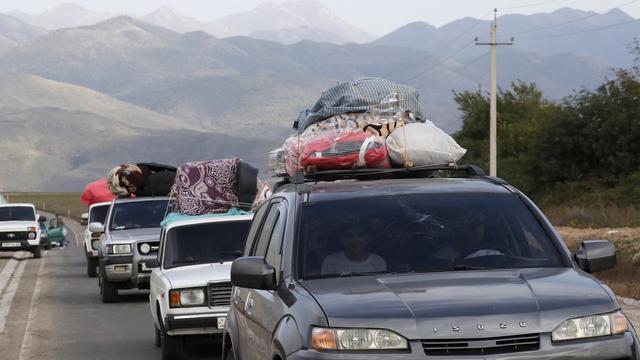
<point>96,192</point>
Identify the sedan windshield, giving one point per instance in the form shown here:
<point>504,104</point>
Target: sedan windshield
<point>138,214</point>
<point>17,213</point>
<point>421,233</point>
<point>205,243</point>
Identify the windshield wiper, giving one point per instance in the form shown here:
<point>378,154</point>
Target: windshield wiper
<point>189,260</point>
<point>469,267</point>
<point>354,273</point>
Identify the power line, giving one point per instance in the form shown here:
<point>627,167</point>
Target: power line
<point>582,31</point>
<point>528,5</point>
<point>571,21</point>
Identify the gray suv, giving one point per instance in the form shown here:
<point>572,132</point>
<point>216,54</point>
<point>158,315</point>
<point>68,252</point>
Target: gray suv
<point>429,262</point>
<point>130,238</point>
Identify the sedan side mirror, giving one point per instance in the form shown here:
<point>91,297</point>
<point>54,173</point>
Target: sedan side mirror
<point>96,227</point>
<point>84,219</point>
<point>596,255</point>
<point>253,272</point>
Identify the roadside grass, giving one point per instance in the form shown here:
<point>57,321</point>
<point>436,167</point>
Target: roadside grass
<point>595,216</point>
<point>67,204</point>
<point>624,278</point>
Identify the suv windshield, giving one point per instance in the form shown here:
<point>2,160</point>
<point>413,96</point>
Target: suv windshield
<point>138,214</point>
<point>205,243</point>
<point>17,213</point>
<point>99,213</point>
<point>421,233</point>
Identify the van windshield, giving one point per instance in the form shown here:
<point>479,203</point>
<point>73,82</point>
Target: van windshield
<point>205,243</point>
<point>17,213</point>
<point>138,214</point>
<point>421,233</point>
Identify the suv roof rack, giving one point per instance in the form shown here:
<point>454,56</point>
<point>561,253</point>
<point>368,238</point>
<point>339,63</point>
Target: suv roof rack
<point>375,174</point>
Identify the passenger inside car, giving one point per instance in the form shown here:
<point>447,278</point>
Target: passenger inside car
<point>355,256</point>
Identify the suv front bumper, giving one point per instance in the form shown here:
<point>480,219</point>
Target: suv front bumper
<point>18,245</point>
<point>130,269</point>
<point>616,347</point>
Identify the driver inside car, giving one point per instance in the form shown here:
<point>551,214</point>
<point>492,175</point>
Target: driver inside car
<point>472,241</point>
<point>355,256</point>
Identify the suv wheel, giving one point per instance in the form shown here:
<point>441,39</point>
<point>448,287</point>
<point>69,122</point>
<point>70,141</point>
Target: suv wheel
<point>37,252</point>
<point>108,290</point>
<point>172,347</point>
<point>92,267</point>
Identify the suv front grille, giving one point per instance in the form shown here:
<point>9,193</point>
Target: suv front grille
<point>220,294</point>
<point>17,235</point>
<point>489,346</point>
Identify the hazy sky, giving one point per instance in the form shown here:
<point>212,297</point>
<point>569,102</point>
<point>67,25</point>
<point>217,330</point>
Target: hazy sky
<point>375,16</point>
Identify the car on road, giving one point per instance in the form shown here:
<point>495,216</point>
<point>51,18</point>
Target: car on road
<point>20,229</point>
<point>56,233</point>
<point>190,290</point>
<point>130,237</point>
<point>440,262</point>
<point>97,214</point>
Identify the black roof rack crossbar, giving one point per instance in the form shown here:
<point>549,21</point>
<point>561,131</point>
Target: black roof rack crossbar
<point>417,171</point>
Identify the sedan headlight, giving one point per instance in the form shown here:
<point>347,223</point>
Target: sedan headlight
<point>187,297</point>
<point>356,339</point>
<point>591,326</point>
<point>119,249</point>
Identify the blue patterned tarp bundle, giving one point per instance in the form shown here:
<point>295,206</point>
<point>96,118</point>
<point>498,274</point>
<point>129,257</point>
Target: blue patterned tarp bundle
<point>359,96</point>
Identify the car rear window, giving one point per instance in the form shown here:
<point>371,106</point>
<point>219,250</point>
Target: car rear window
<point>99,213</point>
<point>421,233</point>
<point>205,243</point>
<point>17,213</point>
<point>138,214</point>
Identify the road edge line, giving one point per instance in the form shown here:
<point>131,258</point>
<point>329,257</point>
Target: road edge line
<point>27,339</point>
<point>10,294</point>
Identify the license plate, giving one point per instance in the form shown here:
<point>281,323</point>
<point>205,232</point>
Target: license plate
<point>221,322</point>
<point>11,244</point>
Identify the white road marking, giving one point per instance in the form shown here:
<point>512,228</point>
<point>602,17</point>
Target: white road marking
<point>6,273</point>
<point>27,339</point>
<point>74,235</point>
<point>7,297</point>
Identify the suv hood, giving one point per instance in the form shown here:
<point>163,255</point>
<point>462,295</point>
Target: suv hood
<point>149,234</point>
<point>17,225</point>
<point>198,275</point>
<point>428,306</point>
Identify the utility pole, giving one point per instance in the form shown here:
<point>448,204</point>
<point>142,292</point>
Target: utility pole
<point>493,127</point>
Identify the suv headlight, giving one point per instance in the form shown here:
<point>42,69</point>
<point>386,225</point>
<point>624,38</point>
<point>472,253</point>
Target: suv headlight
<point>118,249</point>
<point>356,339</point>
<point>145,248</point>
<point>591,326</point>
<point>187,297</point>
<point>95,243</point>
<point>31,235</point>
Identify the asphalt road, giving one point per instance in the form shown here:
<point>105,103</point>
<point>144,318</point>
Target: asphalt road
<point>50,309</point>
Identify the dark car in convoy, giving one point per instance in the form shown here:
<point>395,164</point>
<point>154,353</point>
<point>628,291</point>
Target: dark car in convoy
<point>430,262</point>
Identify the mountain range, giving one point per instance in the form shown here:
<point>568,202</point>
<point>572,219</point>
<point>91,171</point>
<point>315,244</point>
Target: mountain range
<point>76,101</point>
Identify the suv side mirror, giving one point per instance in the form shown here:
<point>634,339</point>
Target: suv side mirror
<point>253,272</point>
<point>42,219</point>
<point>84,219</point>
<point>596,255</point>
<point>96,227</point>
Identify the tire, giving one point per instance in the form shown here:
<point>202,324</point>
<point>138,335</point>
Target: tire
<point>158,338</point>
<point>37,252</point>
<point>172,347</point>
<point>108,290</point>
<point>48,246</point>
<point>92,267</point>
<point>230,355</point>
